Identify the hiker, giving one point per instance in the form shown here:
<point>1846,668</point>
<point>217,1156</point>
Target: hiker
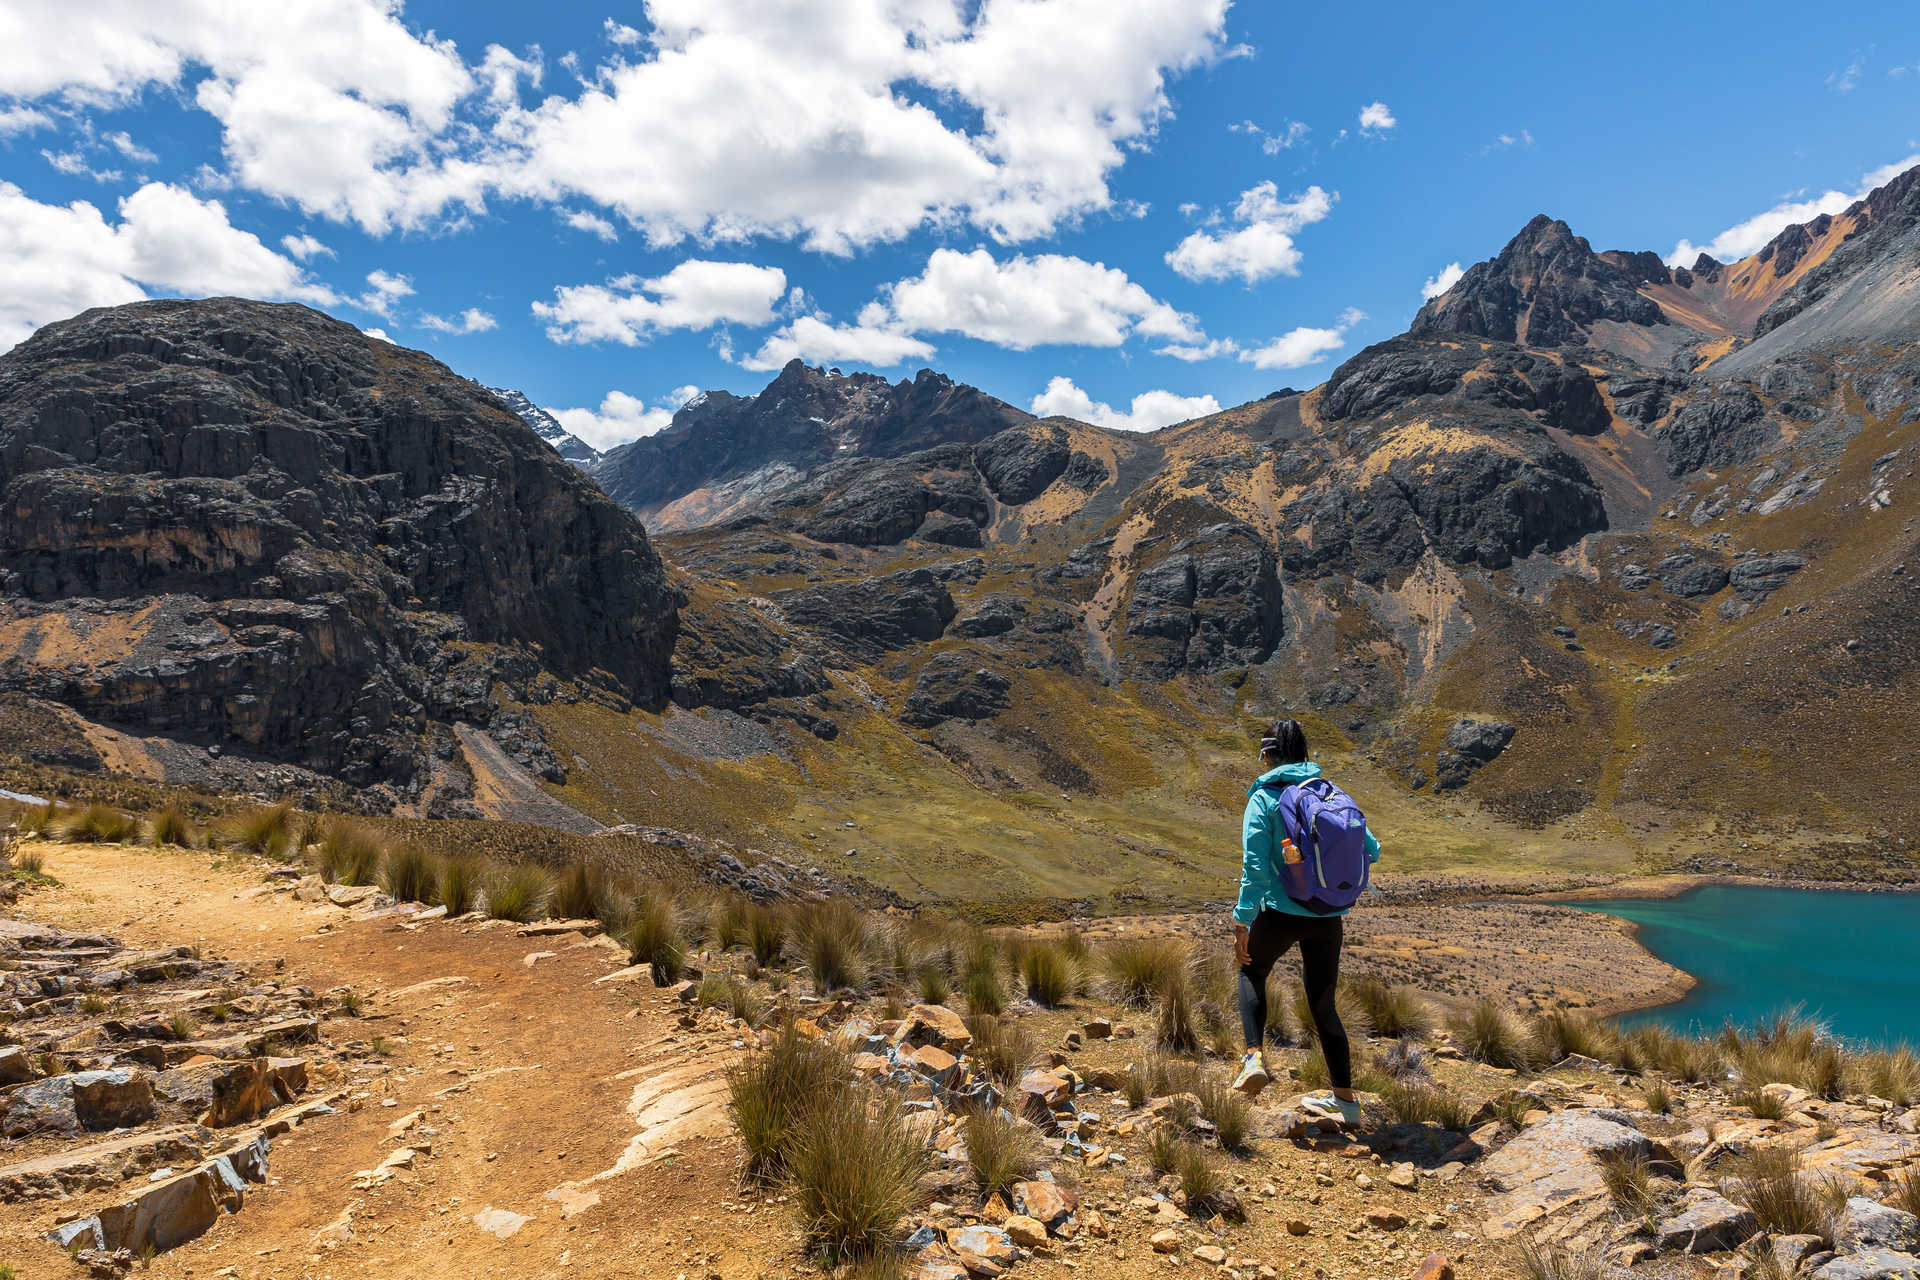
<point>1305,859</point>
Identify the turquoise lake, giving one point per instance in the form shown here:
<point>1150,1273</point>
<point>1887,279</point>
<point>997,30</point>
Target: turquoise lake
<point>1850,959</point>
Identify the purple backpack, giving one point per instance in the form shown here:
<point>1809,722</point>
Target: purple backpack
<point>1330,832</point>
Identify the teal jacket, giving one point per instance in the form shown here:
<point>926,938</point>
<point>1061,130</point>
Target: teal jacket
<point>1261,832</point>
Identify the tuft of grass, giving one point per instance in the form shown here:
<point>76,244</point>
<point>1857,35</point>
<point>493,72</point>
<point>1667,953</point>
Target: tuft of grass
<point>736,997</point>
<point>1391,1011</point>
<point>1422,1103</point>
<point>853,1172</point>
<point>1658,1098</point>
<point>31,862</point>
<point>1001,1151</point>
<point>1047,973</point>
<point>1562,1034</point>
<point>1629,1182</point>
<point>655,939</point>
<point>1764,1106</point>
<point>727,921</point>
<point>831,937</point>
<point>1278,1030</point>
<point>171,827</point>
<point>1789,1048</point>
<point>1194,1168</point>
<point>95,824</point>
<point>183,1026</point>
<point>1138,1087</point>
<point>1905,1192</point>
<point>1173,1028</point>
<point>349,852</point>
<point>935,988</point>
<point>409,874</point>
<point>1138,969</point>
<point>766,935</point>
<point>350,1002</point>
<point>1654,1048</point>
<point>459,886</point>
<point>1768,1180</point>
<point>1534,1261</point>
<point>984,993</point>
<point>1892,1074</point>
<point>267,830</point>
<point>581,894</point>
<point>1002,1049</point>
<point>769,1092</point>
<point>518,893</point>
<point>1228,1110</point>
<point>93,1002</point>
<point>1491,1034</point>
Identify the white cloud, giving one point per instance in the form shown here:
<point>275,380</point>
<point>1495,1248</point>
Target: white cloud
<point>123,142</point>
<point>22,119</point>
<point>622,417</point>
<point>1300,347</point>
<point>1751,235</point>
<point>818,341</point>
<point>1436,285</point>
<point>1193,352</point>
<point>1026,302</point>
<point>384,289</point>
<point>75,165</point>
<point>57,260</point>
<point>1262,245</point>
<point>1150,411</point>
<point>1376,118</point>
<point>725,120</point>
<point>592,223</point>
<point>696,294</point>
<point>1290,134</point>
<point>472,320</point>
<point>305,247</point>
<point>377,333</point>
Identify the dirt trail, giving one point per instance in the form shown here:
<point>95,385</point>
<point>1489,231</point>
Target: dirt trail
<point>525,1086</point>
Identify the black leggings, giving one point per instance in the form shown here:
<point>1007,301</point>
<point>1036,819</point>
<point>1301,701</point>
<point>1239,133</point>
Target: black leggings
<point>1319,938</point>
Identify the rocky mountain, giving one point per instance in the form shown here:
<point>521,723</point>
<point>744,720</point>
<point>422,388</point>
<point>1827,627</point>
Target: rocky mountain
<point>1587,564</point>
<point>243,525</point>
<point>724,451</point>
<point>548,428</point>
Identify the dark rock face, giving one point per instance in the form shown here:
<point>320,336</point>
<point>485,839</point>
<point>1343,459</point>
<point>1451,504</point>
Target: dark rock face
<point>1393,374</point>
<point>1722,427</point>
<point>871,617</point>
<point>1544,288</point>
<point>992,616</point>
<point>1212,603</point>
<point>1470,744</point>
<point>1657,634</point>
<point>235,520</point>
<point>1758,577</point>
<point>1691,580</point>
<point>1020,464</point>
<point>952,686</point>
<point>1085,472</point>
<point>805,418</point>
<point>874,503</point>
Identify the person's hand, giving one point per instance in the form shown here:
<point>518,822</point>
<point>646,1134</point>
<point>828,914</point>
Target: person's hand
<point>1240,952</point>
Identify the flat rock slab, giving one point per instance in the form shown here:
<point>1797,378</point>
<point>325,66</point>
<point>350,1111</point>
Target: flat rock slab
<point>102,1164</point>
<point>554,928</point>
<point>1875,1264</point>
<point>1707,1222</point>
<point>92,1100</point>
<point>1867,1224</point>
<point>501,1223</point>
<point>1552,1170</point>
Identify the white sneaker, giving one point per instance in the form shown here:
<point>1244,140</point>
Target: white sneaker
<point>1253,1075</point>
<point>1329,1106</point>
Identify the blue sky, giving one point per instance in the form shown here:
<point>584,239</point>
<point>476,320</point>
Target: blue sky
<point>1128,210</point>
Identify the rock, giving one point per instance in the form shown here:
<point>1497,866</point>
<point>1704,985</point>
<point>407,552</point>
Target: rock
<point>1546,286</point>
<point>1706,1222</point>
<point>935,1064</point>
<point>991,1245</point>
<point>346,521</point>
<point>1436,1267</point>
<point>1164,1241</point>
<point>1694,581</point>
<point>171,1212</point>
<point>1211,602</point>
<point>1299,1227</point>
<point>1386,1219</point>
<point>873,616</point>
<point>1470,744</point>
<point>1043,1201</point>
<point>1550,1170</point>
<point>1020,464</point>
<point>91,1100</point>
<point>15,1066</point>
<point>1212,1254</point>
<point>1024,1231</point>
<point>1874,1264</point>
<point>103,1264</point>
<point>1403,1177</point>
<point>102,1164</point>
<point>1791,1251</point>
<point>1757,577</point>
<point>954,686</point>
<point>1097,1028</point>
<point>499,1223</point>
<point>218,1094</point>
<point>1867,1224</point>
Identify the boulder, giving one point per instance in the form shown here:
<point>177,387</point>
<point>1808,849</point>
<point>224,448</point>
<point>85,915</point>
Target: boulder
<point>1690,582</point>
<point>954,686</point>
<point>1469,745</point>
<point>1043,1201</point>
<point>220,1093</point>
<point>16,1067</point>
<point>1706,1222</point>
<point>1025,1232</point>
<point>1551,1171</point>
<point>984,1244</point>
<point>934,1024</point>
<point>92,1100</point>
<point>1757,577</point>
<point>1867,1224</point>
<point>101,1164</point>
<point>935,1064</point>
<point>1874,1264</point>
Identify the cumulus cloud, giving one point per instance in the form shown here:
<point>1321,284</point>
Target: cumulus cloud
<point>472,320</point>
<point>377,333</point>
<point>1448,277</point>
<point>1150,411</point>
<point>696,294</point>
<point>123,142</point>
<point>1300,347</point>
<point>22,119</point>
<point>622,417</point>
<point>1376,118</point>
<point>805,121</point>
<point>1193,352</point>
<point>384,289</point>
<point>61,259</point>
<point>1025,302</point>
<point>305,247</point>
<point>817,340</point>
<point>1750,235</point>
<point>75,165</point>
<point>1261,245</point>
<point>591,223</point>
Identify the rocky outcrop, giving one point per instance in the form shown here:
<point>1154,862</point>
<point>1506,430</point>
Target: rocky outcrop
<point>1211,602</point>
<point>1470,744</point>
<point>1020,464</point>
<point>238,521</point>
<point>1717,428</point>
<point>870,617</point>
<point>1545,288</point>
<point>954,686</point>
